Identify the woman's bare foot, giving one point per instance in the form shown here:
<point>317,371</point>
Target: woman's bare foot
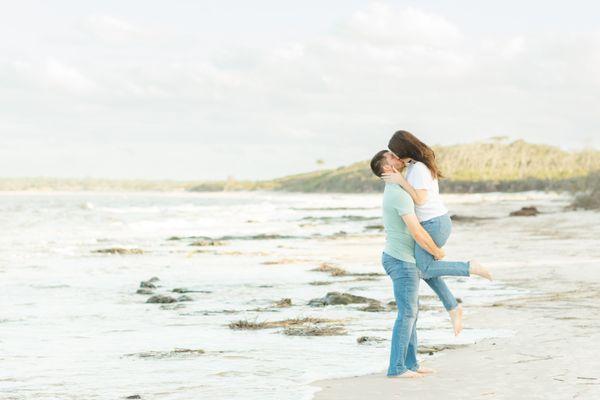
<point>456,318</point>
<point>408,374</point>
<point>475,268</point>
<point>425,371</point>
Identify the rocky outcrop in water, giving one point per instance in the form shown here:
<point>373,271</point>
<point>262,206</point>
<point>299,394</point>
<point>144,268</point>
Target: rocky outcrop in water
<point>119,250</point>
<point>205,243</point>
<point>146,287</point>
<point>161,299</point>
<point>369,340</point>
<point>337,298</point>
<point>150,283</point>
<point>244,324</point>
<point>315,330</point>
<point>330,269</point>
<point>286,302</point>
<point>185,290</point>
<point>435,349</point>
<point>525,212</point>
<point>373,307</point>
<point>468,218</point>
<point>176,353</point>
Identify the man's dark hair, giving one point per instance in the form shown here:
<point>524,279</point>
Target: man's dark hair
<point>377,162</point>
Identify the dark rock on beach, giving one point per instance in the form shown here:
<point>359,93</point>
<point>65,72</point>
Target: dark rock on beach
<point>525,212</point>
<point>134,396</point>
<point>184,290</point>
<point>118,250</point>
<point>369,340</point>
<point>315,330</point>
<point>336,298</point>
<point>161,298</point>
<point>317,302</point>
<point>435,349</point>
<point>330,269</point>
<point>286,302</point>
<point>150,283</point>
<point>172,306</point>
<point>176,353</point>
<point>467,218</point>
<point>147,286</point>
<point>244,324</point>
<point>320,283</point>
<point>205,243</point>
<point>374,306</point>
<point>184,298</point>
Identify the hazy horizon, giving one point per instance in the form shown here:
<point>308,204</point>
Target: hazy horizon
<point>319,166</point>
<point>203,91</point>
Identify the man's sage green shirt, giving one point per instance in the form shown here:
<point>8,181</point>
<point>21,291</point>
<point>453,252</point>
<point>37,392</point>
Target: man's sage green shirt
<point>398,241</point>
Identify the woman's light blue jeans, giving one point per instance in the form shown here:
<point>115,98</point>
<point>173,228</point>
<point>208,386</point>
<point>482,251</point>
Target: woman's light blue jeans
<point>405,278</point>
<point>431,271</point>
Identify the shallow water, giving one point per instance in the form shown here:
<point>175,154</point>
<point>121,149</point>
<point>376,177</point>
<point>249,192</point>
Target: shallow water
<point>72,327</point>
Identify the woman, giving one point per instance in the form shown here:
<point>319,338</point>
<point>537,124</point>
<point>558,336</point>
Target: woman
<point>421,183</point>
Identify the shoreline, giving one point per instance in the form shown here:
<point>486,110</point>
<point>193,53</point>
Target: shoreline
<point>552,354</point>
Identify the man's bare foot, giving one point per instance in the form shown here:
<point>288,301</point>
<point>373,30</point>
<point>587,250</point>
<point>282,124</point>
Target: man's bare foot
<point>456,318</point>
<point>425,371</point>
<point>475,268</point>
<point>408,374</point>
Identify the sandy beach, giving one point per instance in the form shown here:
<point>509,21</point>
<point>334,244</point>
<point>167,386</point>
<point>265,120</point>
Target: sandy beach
<point>552,355</point>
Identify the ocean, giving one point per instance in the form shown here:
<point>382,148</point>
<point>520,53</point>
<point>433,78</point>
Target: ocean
<point>73,327</point>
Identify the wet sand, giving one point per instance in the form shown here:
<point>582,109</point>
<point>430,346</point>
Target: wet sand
<point>553,354</point>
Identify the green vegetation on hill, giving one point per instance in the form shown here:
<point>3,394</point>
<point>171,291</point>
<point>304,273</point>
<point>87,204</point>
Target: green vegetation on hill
<point>513,161</point>
<point>475,167</point>
<point>589,198</point>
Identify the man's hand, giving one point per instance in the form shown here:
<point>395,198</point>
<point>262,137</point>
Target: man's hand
<point>439,254</point>
<point>422,237</point>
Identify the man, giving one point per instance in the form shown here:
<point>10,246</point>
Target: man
<point>402,230</point>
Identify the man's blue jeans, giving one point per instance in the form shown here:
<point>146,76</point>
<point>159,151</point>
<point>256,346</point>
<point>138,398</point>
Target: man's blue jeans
<point>405,278</point>
<point>431,271</point>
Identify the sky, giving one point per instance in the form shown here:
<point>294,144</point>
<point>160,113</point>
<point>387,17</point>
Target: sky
<point>203,90</point>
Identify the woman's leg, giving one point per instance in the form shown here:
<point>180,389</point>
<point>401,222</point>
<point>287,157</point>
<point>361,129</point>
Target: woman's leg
<point>442,291</point>
<point>405,280</point>
<point>439,229</point>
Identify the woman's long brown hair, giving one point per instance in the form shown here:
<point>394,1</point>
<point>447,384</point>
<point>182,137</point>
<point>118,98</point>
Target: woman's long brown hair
<point>405,145</point>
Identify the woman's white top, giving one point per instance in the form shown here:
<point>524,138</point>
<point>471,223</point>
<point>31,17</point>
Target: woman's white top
<point>419,176</point>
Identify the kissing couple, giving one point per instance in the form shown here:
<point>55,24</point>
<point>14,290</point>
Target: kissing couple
<point>417,226</point>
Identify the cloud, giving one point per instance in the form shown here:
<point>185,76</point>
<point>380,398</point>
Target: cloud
<point>62,76</point>
<point>113,29</point>
<point>381,24</point>
<point>337,95</point>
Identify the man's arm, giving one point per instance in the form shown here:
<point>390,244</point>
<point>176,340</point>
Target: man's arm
<point>422,237</point>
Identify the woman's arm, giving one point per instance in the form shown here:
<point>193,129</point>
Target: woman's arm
<point>422,237</point>
<point>419,196</point>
